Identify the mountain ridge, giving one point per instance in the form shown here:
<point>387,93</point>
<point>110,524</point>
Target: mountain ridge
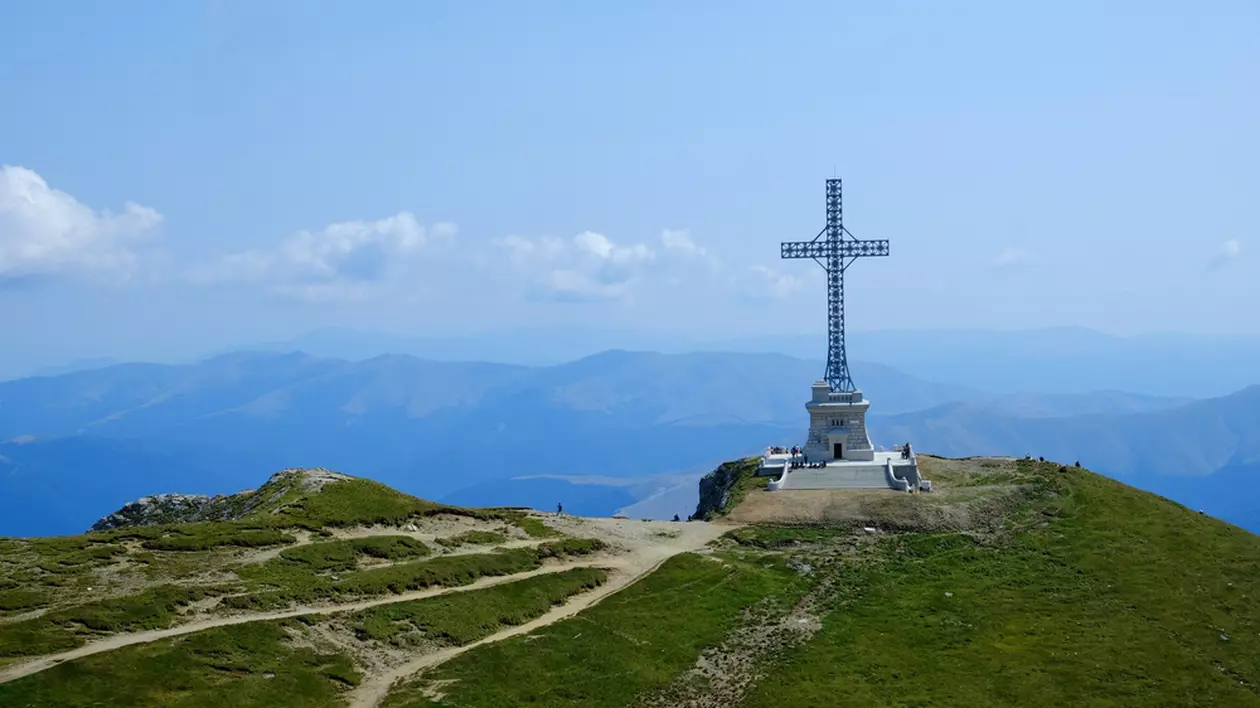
<point>1013,582</point>
<point>211,427</point>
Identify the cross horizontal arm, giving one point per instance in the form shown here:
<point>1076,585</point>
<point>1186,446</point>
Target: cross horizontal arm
<point>822,249</point>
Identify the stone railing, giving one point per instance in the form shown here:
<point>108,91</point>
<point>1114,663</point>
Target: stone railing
<point>893,480</point>
<point>777,484</point>
<point>923,485</point>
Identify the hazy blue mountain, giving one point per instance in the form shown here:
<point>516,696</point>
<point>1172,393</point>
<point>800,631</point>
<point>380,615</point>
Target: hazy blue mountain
<point>1204,453</point>
<point>1068,360</point>
<point>545,493</point>
<point>1062,359</point>
<point>1062,405</point>
<point>76,365</point>
<point>489,433</point>
<point>535,346</point>
<point>49,488</point>
<point>431,428</point>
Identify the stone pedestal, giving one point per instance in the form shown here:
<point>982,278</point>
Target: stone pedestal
<point>837,425</point>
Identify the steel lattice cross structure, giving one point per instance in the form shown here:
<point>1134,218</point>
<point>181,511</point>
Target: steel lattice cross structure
<point>835,254</point>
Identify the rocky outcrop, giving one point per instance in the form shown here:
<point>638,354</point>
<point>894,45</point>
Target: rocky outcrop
<point>725,487</point>
<point>157,509</point>
<point>287,485</point>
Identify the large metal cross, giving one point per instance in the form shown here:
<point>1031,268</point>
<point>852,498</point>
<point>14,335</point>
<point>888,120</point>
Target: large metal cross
<point>835,254</point>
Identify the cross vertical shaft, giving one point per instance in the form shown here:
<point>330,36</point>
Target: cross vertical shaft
<point>837,374</point>
<point>835,254</point>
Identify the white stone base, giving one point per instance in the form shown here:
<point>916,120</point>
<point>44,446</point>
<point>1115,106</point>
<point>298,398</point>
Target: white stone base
<point>837,425</point>
<point>847,474</point>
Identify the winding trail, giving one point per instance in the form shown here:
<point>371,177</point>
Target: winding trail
<point>119,641</point>
<point>647,552</point>
<point>642,548</point>
<point>371,693</point>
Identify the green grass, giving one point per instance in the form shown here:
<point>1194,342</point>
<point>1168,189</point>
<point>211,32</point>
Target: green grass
<point>345,555</point>
<point>390,547</point>
<point>60,568</point>
<point>746,481</point>
<point>241,666</point>
<point>295,585</point>
<point>354,502</point>
<point>632,642</point>
<point>207,535</point>
<point>739,477</point>
<point>1095,594</point>
<point>255,664</point>
<point>67,628</point>
<point>1105,596</point>
<point>1075,591</point>
<point>21,600</point>
<point>473,538</point>
<point>770,537</point>
<point>463,617</point>
<point>66,555</point>
<point>361,502</point>
<point>535,528</point>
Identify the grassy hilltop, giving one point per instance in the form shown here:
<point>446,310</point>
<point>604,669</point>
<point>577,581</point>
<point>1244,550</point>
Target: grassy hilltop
<point>1016,583</point>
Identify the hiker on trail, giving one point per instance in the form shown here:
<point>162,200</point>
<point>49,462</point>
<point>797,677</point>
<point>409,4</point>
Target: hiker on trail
<point>559,508</point>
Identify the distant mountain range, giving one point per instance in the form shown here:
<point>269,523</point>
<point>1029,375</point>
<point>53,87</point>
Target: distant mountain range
<point>1053,359</point>
<point>88,439</point>
<point>636,428</point>
<point>1069,360</point>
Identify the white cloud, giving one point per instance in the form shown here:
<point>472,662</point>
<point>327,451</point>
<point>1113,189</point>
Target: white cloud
<point>44,231</point>
<point>679,240</point>
<point>766,283</point>
<point>361,260</point>
<point>591,266</point>
<point>1229,251</point>
<point>345,260</point>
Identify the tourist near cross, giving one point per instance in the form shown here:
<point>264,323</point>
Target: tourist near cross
<point>835,254</point>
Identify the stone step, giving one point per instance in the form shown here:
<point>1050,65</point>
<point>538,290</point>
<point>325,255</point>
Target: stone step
<point>838,477</point>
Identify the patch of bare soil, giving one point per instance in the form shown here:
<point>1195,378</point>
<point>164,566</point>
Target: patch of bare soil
<point>647,541</point>
<point>723,674</point>
<point>431,528</point>
<point>639,546</point>
<point>27,666</point>
<point>372,657</point>
<point>253,557</point>
<point>968,495</point>
<point>24,616</point>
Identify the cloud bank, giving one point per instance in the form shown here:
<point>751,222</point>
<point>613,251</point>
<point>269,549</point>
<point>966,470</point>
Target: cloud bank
<point>46,232</point>
<point>349,260</point>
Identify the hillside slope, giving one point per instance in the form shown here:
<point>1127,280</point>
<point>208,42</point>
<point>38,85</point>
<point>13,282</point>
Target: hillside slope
<point>1199,453</point>
<point>315,589</point>
<point>1016,583</point>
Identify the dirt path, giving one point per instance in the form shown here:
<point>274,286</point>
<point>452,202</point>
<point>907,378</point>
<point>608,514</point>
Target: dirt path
<point>427,530</point>
<point>642,547</point>
<point>119,641</point>
<point>649,544</point>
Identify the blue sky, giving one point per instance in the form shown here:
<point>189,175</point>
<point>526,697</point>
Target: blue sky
<point>455,166</point>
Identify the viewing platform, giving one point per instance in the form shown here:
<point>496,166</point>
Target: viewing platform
<point>888,470</point>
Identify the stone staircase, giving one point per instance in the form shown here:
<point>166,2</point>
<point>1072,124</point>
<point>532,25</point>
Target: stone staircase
<point>842,476</point>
